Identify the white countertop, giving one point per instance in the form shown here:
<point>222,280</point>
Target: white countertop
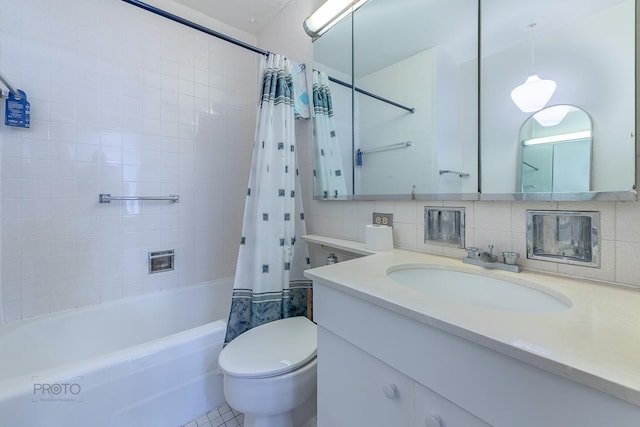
<point>596,342</point>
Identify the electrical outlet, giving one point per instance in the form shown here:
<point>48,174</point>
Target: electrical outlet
<point>383,219</point>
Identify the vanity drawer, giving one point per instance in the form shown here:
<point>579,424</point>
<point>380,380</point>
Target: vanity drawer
<point>433,410</point>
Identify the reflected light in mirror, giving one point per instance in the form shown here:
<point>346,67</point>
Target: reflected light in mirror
<point>551,116</point>
<point>559,138</point>
<point>327,15</point>
<point>533,94</point>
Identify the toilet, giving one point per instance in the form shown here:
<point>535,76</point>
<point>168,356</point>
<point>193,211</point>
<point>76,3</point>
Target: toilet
<point>270,373</point>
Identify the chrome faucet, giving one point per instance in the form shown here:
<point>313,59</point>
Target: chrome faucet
<point>507,260</point>
<point>489,256</point>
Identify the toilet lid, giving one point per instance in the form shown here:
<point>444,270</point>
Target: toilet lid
<point>271,349</point>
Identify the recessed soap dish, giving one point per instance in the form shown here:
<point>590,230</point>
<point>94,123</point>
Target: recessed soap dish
<point>161,261</point>
<point>444,225</point>
<point>566,237</point>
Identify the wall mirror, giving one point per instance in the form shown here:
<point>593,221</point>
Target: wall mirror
<point>405,123</point>
<point>332,116</point>
<point>583,53</point>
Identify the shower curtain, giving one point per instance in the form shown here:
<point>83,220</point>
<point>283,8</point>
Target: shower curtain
<point>269,282</point>
<point>328,172</point>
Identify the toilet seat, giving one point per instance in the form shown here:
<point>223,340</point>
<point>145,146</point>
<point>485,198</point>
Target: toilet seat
<point>272,349</point>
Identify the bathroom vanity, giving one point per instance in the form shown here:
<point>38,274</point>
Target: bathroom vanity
<point>391,353</point>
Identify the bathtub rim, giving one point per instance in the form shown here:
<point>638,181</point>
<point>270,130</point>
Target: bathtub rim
<point>9,386</point>
<point>5,328</point>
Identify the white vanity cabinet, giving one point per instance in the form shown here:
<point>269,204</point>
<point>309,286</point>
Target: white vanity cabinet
<point>356,389</point>
<point>380,365</point>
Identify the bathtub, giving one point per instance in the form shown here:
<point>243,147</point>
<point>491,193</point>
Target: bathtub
<point>144,361</point>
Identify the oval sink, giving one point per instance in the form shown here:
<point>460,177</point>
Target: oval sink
<point>461,287</point>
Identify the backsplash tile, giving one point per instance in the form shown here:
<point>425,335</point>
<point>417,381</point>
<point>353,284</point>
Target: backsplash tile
<point>502,224</point>
<point>626,262</point>
<point>627,222</point>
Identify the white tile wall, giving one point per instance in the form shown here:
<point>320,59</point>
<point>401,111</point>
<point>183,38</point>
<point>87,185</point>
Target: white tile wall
<point>501,223</point>
<point>126,102</point>
<point>122,102</point>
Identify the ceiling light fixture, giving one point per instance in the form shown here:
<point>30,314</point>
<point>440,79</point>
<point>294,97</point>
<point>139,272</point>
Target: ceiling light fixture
<point>534,93</point>
<point>327,15</point>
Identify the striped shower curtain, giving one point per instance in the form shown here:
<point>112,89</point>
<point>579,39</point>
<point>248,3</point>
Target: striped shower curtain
<point>269,282</point>
<point>328,174</point>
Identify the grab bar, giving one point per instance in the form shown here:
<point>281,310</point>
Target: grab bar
<point>360,153</point>
<point>387,147</point>
<point>531,166</point>
<point>460,174</point>
<point>107,198</point>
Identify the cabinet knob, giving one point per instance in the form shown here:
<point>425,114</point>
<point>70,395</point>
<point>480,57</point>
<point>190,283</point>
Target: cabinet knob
<point>434,421</point>
<point>390,390</point>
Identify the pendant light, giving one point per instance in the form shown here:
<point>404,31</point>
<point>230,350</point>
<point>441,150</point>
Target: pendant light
<point>327,15</point>
<point>552,116</point>
<point>534,93</point>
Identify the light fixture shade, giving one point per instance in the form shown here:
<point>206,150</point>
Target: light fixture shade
<point>552,116</point>
<point>533,94</point>
<point>331,12</point>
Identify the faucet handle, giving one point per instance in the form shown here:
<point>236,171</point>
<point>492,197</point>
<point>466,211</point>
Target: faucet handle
<point>473,252</point>
<point>510,257</point>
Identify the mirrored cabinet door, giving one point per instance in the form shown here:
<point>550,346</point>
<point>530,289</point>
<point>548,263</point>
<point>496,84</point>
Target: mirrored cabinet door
<point>332,115</point>
<point>414,113</point>
<point>423,56</point>
<point>404,94</point>
<point>558,99</point>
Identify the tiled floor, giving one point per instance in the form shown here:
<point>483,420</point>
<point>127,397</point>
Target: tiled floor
<point>219,417</point>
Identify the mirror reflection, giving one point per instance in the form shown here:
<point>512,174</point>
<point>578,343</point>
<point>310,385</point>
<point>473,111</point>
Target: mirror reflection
<point>414,72</point>
<point>555,151</point>
<point>549,53</point>
<point>332,118</point>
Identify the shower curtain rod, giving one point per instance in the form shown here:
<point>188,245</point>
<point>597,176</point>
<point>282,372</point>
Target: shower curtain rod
<point>195,26</point>
<point>191,24</point>
<point>372,95</point>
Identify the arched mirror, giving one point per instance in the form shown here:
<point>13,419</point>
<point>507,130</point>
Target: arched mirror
<point>555,151</point>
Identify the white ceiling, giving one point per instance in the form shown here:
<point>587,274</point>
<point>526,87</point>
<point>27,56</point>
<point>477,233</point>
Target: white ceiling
<point>248,15</point>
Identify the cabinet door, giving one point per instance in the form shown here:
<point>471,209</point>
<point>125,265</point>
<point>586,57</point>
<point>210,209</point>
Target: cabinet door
<point>433,410</point>
<point>356,389</point>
